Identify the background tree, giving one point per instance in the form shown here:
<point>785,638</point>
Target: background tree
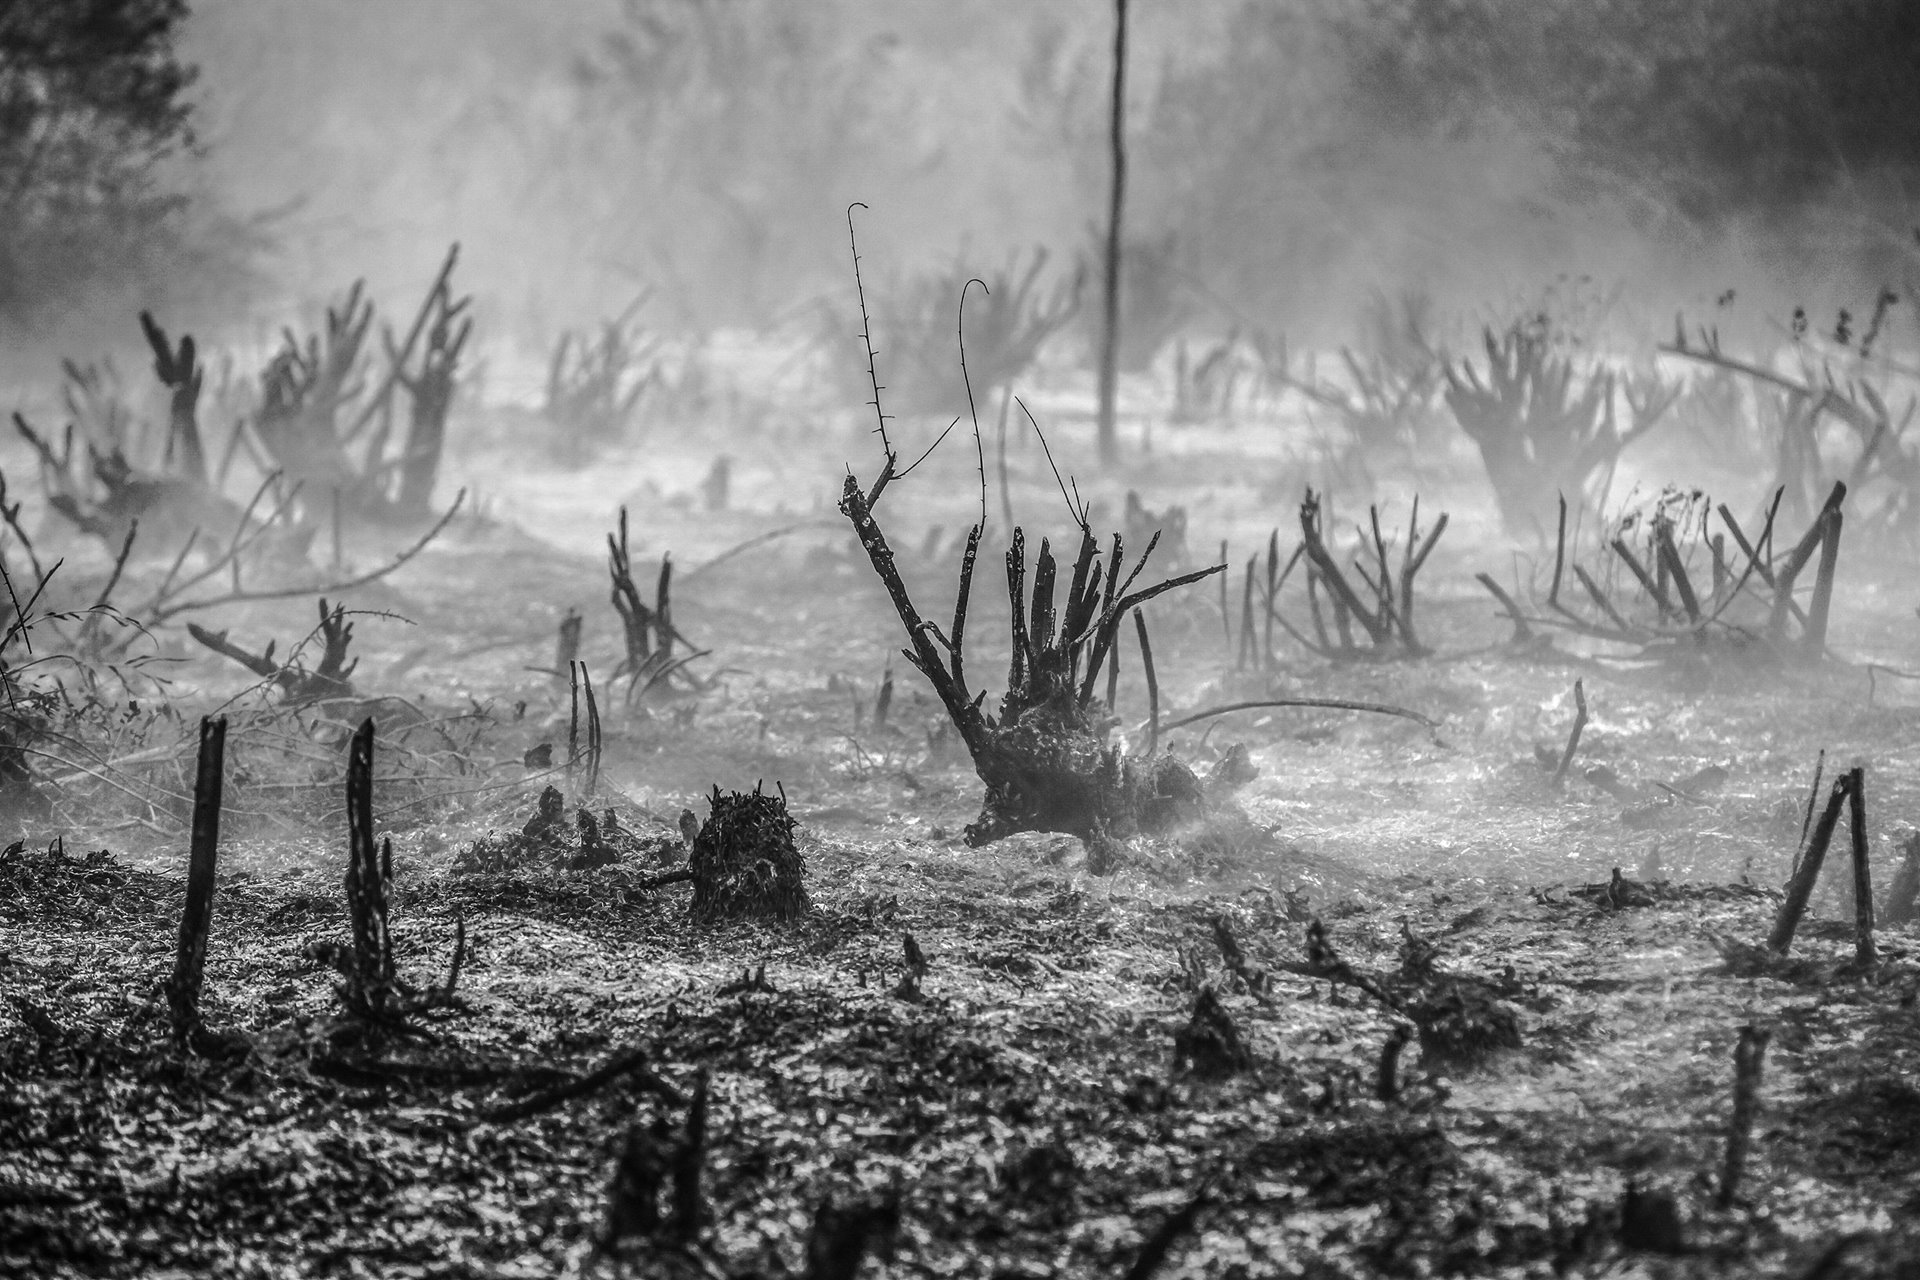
<point>93,117</point>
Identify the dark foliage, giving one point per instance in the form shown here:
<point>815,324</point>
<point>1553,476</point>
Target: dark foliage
<point>92,109</point>
<point>1722,108</point>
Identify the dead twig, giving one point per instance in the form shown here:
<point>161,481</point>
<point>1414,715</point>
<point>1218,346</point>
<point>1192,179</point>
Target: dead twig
<point>1800,888</point>
<point>627,1064</point>
<point>1573,737</point>
<point>1323,704</point>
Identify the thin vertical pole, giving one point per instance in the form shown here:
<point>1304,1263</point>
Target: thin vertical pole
<point>1110,319</point>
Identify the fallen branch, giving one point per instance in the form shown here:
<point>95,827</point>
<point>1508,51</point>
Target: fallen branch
<point>159,611</point>
<point>1323,704</point>
<point>683,875</point>
<point>1522,632</point>
<point>331,679</point>
<point>1154,1250</point>
<point>630,1063</point>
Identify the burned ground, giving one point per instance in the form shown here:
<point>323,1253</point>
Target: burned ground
<point>1008,1077</point>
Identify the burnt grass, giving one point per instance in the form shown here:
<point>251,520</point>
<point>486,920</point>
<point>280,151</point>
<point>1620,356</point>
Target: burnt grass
<point>1016,1095</point>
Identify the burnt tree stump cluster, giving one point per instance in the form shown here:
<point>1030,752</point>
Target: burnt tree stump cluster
<point>1045,759</point>
<point>332,677</point>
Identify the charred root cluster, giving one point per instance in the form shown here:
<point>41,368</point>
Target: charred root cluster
<point>651,658</point>
<point>325,432</point>
<point>744,862</point>
<point>1541,424</point>
<point>319,427</point>
<point>1666,576</point>
<point>331,677</point>
<point>551,839</point>
<point>595,384</point>
<point>121,477</point>
<point>1045,758</point>
<point>1343,621</point>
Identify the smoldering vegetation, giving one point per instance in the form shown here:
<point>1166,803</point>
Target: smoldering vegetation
<point>640,640</point>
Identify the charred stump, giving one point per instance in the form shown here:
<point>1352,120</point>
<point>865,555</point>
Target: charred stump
<point>653,1159</point>
<point>331,678</point>
<point>196,917</point>
<point>370,975</point>
<point>843,1236</point>
<point>744,862</point>
<point>1045,759</point>
<point>648,629</point>
<point>179,370</point>
<point>431,391</point>
<point>1209,1045</point>
<point>1905,889</point>
<point>376,996</point>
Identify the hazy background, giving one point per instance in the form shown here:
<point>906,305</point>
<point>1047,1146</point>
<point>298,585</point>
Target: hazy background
<point>1287,157</point>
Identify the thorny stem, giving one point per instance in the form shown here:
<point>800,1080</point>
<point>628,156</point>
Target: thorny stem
<point>979,446</point>
<point>967,718</point>
<point>873,369</point>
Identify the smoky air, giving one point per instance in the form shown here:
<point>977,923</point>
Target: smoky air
<point>969,638</point>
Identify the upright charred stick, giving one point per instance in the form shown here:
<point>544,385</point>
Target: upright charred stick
<point>1749,1055</point>
<point>179,371</point>
<point>649,630</point>
<point>573,720</point>
<point>1647,581</point>
<point>1573,737</point>
<point>196,918</point>
<point>1800,888</point>
<point>593,731</point>
<point>567,645</point>
<point>1522,632</point>
<point>1415,559</point>
<point>1153,682</point>
<point>633,1195</point>
<point>1814,641</point>
<point>947,677</point>
<point>1826,524</point>
<point>1675,570</point>
<point>1377,622</point>
<point>370,981</point>
<point>1155,1249</point>
<point>689,1205</point>
<point>842,1237</point>
<point>1865,954</point>
<point>431,390</point>
<point>1387,1081</point>
<point>1813,804</point>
